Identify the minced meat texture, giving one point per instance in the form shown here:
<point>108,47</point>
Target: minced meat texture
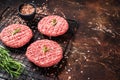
<point>16,35</point>
<point>44,53</point>
<point>53,25</point>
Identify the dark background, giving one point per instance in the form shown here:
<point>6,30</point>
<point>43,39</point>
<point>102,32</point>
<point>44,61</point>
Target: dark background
<point>95,53</point>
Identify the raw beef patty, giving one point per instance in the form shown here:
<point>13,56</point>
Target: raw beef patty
<point>44,53</point>
<point>16,35</point>
<point>53,25</point>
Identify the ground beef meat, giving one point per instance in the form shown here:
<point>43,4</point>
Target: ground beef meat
<point>44,53</point>
<point>53,25</point>
<point>16,35</point>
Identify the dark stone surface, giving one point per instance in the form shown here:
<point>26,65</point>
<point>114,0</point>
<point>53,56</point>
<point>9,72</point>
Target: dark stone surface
<point>95,53</point>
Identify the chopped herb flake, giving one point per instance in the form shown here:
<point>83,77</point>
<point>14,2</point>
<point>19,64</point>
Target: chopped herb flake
<point>45,49</point>
<point>54,22</point>
<point>16,31</point>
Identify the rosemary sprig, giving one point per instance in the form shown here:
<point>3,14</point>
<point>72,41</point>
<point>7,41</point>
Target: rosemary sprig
<point>16,31</point>
<point>7,63</point>
<point>54,22</point>
<point>45,49</point>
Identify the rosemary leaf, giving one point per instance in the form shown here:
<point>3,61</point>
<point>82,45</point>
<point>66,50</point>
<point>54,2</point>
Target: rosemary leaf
<point>54,22</point>
<point>16,31</point>
<point>45,49</point>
